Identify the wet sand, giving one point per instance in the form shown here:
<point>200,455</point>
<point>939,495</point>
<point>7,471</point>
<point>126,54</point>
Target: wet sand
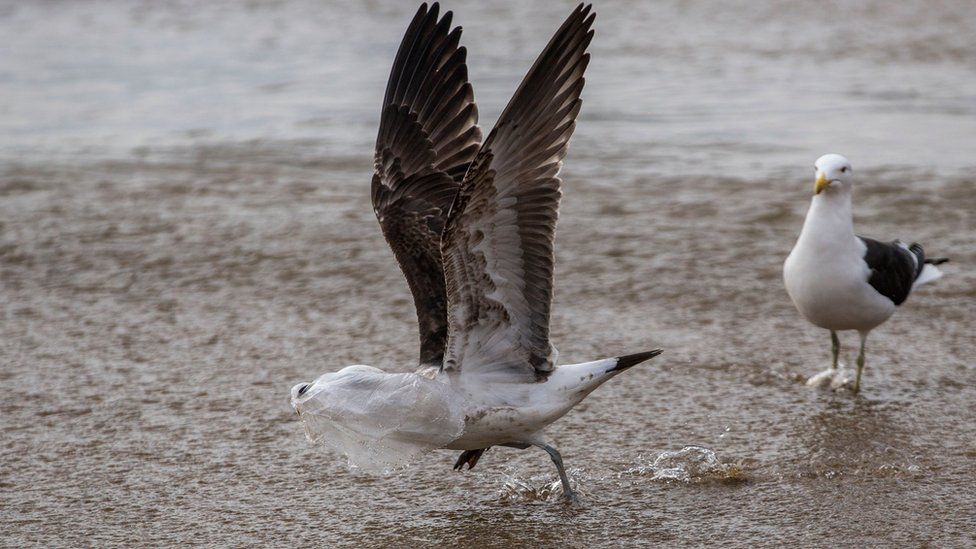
<point>164,284</point>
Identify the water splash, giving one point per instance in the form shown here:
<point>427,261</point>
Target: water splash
<point>840,378</point>
<point>689,464</point>
<point>896,470</point>
<point>517,489</point>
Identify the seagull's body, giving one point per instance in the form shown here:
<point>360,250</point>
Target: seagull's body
<point>472,226</point>
<point>841,281</point>
<point>826,274</point>
<point>520,412</point>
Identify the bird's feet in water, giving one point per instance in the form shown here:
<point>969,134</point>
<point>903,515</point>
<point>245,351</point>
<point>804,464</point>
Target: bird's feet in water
<point>569,498</point>
<point>556,491</point>
<point>833,378</point>
<point>523,490</point>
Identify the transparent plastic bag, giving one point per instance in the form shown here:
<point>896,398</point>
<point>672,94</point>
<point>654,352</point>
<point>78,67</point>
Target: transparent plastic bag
<point>379,421</point>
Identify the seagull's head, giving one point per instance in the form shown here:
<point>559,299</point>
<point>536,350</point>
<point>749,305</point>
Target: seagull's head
<point>299,393</point>
<point>834,172</point>
<point>312,394</point>
<point>299,390</point>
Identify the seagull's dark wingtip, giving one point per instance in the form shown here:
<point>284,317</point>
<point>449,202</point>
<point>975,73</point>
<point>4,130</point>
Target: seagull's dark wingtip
<point>627,361</point>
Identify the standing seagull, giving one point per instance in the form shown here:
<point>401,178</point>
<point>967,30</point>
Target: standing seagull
<point>472,226</point>
<point>841,281</point>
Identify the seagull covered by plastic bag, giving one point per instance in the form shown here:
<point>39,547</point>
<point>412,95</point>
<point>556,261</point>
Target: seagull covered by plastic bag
<point>472,226</point>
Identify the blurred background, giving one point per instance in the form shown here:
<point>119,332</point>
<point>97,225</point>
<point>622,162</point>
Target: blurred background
<point>736,86</point>
<point>185,232</point>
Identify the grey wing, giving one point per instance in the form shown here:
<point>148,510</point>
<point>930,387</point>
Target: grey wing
<point>498,243</point>
<point>894,267</point>
<point>427,138</point>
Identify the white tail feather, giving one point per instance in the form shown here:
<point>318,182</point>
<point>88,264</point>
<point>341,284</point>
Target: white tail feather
<point>928,274</point>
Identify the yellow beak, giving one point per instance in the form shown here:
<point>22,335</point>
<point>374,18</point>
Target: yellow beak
<point>821,183</point>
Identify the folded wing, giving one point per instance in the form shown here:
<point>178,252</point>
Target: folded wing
<point>894,267</point>
<point>427,138</point>
<point>498,243</point>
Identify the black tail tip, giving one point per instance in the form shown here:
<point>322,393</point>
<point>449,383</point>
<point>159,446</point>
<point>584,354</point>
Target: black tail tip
<point>626,361</point>
<point>916,249</point>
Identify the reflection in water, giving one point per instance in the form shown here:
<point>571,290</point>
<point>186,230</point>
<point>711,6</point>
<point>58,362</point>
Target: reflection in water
<point>854,437</point>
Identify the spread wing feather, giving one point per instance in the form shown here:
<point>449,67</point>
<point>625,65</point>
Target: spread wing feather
<point>427,138</point>
<point>498,243</point>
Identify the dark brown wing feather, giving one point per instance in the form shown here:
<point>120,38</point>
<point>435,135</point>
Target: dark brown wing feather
<point>428,136</point>
<point>498,243</point>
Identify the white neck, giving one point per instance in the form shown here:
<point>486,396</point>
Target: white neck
<point>829,219</point>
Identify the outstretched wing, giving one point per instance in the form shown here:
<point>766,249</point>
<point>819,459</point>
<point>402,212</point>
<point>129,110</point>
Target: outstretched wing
<point>428,136</point>
<point>498,243</point>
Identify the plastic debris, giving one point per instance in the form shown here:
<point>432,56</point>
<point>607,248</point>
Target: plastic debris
<point>379,421</point>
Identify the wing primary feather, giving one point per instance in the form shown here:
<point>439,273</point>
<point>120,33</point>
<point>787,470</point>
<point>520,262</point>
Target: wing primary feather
<point>428,135</point>
<point>498,241</point>
<point>406,45</point>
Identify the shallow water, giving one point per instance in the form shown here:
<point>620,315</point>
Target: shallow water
<point>185,233</point>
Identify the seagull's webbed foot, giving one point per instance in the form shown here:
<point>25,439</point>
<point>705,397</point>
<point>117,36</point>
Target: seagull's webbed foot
<point>569,498</point>
<point>836,376</point>
<point>470,457</point>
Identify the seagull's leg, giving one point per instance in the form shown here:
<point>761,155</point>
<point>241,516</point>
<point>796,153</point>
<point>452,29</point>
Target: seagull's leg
<point>470,457</point>
<point>860,364</point>
<point>835,347</point>
<point>831,376</point>
<point>557,459</point>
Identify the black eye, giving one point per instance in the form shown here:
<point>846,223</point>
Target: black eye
<point>844,169</point>
<point>303,389</point>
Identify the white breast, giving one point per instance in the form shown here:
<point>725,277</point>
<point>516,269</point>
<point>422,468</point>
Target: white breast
<point>826,276</point>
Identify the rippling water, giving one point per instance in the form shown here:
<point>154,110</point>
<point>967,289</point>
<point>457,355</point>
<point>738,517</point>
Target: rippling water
<point>185,232</point>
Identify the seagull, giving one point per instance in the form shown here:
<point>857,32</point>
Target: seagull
<point>472,226</point>
<point>842,281</point>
